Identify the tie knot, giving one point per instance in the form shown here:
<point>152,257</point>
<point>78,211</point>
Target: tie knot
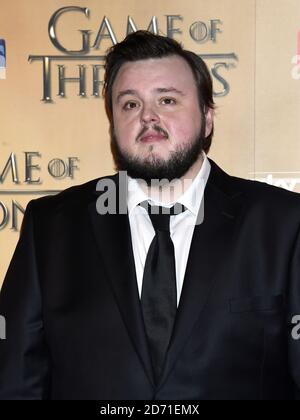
<point>160,216</point>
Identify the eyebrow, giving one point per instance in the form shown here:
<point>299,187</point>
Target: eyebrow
<point>157,90</point>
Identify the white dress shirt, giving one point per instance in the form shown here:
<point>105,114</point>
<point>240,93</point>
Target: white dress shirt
<point>181,226</point>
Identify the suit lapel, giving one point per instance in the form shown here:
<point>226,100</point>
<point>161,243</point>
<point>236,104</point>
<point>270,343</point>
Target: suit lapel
<point>113,237</point>
<point>209,251</point>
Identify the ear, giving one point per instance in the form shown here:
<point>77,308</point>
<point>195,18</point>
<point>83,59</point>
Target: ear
<point>209,121</point>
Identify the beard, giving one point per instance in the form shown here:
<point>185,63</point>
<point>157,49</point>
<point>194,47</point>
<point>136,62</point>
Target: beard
<point>154,168</point>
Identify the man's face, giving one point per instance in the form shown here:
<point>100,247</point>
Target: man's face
<point>157,119</point>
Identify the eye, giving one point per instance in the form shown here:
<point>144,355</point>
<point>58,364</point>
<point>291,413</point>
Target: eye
<point>168,101</point>
<point>130,105</point>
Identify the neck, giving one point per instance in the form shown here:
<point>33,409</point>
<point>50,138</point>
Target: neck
<point>169,192</point>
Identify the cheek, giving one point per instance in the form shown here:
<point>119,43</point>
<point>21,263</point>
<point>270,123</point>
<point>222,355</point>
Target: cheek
<point>120,124</point>
<point>185,128</point>
<point>126,130</point>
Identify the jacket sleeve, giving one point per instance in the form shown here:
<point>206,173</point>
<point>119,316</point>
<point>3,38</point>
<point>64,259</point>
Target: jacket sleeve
<point>24,366</point>
<point>294,319</point>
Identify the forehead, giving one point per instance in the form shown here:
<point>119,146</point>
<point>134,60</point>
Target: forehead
<point>155,72</point>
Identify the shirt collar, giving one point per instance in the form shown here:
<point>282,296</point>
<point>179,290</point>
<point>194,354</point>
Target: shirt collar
<point>191,199</point>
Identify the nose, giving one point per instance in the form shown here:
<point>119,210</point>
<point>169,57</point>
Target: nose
<point>149,115</point>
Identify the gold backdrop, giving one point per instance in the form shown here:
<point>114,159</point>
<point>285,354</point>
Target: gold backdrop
<point>250,47</point>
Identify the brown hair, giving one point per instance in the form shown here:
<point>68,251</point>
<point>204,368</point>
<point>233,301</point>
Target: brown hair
<point>142,45</point>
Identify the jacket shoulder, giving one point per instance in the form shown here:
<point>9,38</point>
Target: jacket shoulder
<point>261,191</point>
<point>256,192</point>
<point>79,195</point>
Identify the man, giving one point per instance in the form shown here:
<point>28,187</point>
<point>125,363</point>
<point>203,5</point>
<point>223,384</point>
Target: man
<point>192,293</point>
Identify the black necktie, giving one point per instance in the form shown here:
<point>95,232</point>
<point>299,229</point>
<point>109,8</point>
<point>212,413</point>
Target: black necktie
<point>159,291</point>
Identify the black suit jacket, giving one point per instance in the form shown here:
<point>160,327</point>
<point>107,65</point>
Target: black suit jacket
<point>74,323</point>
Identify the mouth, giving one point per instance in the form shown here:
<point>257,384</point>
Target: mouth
<point>153,138</point>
